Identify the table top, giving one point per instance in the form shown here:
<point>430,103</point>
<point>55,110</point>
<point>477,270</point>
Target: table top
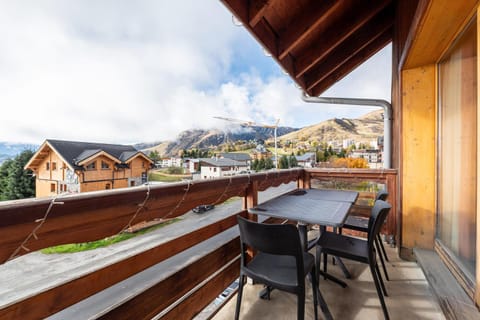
<point>310,206</point>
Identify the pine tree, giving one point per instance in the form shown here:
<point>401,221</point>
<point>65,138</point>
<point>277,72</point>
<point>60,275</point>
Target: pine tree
<point>15,182</point>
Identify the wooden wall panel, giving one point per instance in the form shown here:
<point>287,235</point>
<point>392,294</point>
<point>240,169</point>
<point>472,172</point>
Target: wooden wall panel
<point>436,29</point>
<point>418,164</point>
<point>477,271</point>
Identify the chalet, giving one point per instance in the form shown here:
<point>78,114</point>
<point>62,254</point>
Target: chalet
<point>170,162</point>
<point>372,156</point>
<point>261,152</point>
<point>211,168</point>
<point>306,160</point>
<point>72,166</point>
<point>237,156</point>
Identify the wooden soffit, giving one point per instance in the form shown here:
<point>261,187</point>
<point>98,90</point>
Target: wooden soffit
<point>435,26</point>
<point>317,42</point>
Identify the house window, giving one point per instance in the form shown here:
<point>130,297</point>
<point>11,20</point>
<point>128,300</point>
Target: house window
<point>457,152</point>
<point>53,187</point>
<point>107,186</point>
<point>92,165</point>
<point>54,166</point>
<point>143,164</point>
<point>105,165</point>
<point>47,166</point>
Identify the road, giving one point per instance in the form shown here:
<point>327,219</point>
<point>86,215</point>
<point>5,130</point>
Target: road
<point>36,272</point>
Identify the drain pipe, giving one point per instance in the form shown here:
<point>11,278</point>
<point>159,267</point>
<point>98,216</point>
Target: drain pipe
<point>387,118</point>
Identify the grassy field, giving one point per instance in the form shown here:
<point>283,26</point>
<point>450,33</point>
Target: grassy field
<point>78,247</point>
<point>165,177</point>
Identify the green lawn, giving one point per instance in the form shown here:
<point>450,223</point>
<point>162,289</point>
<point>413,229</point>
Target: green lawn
<point>164,177</point>
<point>78,247</point>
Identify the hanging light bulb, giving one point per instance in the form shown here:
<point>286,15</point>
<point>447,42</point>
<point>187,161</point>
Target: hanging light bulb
<point>236,22</point>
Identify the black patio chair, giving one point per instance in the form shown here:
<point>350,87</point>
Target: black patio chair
<point>358,249</point>
<point>279,263</point>
<point>361,224</point>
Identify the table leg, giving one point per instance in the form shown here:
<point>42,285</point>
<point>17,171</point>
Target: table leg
<point>344,269</point>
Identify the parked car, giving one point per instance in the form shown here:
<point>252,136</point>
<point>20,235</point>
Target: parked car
<point>203,208</point>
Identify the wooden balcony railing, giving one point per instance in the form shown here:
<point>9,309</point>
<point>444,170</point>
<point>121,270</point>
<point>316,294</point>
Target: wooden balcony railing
<point>387,177</point>
<point>30,225</point>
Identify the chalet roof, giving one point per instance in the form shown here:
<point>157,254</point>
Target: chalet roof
<point>219,162</point>
<point>127,155</point>
<point>87,154</point>
<point>305,156</point>
<point>74,152</point>
<point>317,42</point>
<point>236,156</point>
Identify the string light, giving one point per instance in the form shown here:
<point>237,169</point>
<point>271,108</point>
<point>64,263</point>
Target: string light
<point>224,192</point>
<point>180,202</point>
<point>140,207</point>
<point>34,231</point>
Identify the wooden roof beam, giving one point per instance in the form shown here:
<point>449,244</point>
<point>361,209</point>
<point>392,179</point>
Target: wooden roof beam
<point>336,35</point>
<point>257,9</point>
<point>262,31</point>
<point>305,23</point>
<point>352,63</point>
<point>349,48</point>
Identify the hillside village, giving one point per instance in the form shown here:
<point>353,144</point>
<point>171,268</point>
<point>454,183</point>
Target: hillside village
<point>308,147</point>
<point>71,166</point>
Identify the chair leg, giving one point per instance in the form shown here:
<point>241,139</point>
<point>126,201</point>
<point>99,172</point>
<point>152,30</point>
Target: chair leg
<point>381,280</point>
<point>318,255</point>
<point>383,248</point>
<point>319,298</point>
<point>313,281</point>
<point>239,296</point>
<point>379,291</point>
<point>325,262</point>
<point>301,304</point>
<point>378,244</point>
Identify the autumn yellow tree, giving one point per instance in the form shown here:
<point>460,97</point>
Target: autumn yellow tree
<point>350,163</point>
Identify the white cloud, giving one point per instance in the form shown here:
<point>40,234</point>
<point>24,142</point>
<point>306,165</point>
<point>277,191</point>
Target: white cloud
<point>133,71</point>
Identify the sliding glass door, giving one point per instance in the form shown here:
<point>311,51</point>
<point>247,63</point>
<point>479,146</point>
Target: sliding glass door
<point>457,152</point>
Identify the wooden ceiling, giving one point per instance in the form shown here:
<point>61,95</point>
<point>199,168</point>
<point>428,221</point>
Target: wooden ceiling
<point>317,42</point>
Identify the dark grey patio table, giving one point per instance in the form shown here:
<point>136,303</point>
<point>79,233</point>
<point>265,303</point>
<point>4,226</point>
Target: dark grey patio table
<point>311,206</point>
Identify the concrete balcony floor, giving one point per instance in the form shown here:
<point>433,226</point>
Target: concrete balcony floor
<point>409,296</point>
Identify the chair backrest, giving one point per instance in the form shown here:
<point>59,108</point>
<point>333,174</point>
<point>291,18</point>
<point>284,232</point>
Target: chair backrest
<point>381,195</point>
<point>378,216</point>
<point>275,239</point>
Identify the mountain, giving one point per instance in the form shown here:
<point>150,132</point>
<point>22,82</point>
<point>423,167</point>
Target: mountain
<point>363,129</point>
<point>10,150</point>
<point>208,139</point>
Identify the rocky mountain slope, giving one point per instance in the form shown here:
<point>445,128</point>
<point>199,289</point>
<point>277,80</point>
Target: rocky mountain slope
<point>363,129</point>
<point>208,139</point>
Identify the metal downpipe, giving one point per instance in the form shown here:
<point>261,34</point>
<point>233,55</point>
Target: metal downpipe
<point>387,118</point>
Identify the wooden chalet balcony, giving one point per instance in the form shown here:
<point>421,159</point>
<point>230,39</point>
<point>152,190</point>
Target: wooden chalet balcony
<point>185,289</point>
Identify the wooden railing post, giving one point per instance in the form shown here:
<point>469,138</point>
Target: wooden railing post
<point>393,223</point>
<point>251,199</point>
<point>303,181</point>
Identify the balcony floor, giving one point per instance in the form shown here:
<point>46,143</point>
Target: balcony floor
<point>409,296</point>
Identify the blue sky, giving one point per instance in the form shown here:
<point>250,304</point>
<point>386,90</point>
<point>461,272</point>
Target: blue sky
<point>120,71</point>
